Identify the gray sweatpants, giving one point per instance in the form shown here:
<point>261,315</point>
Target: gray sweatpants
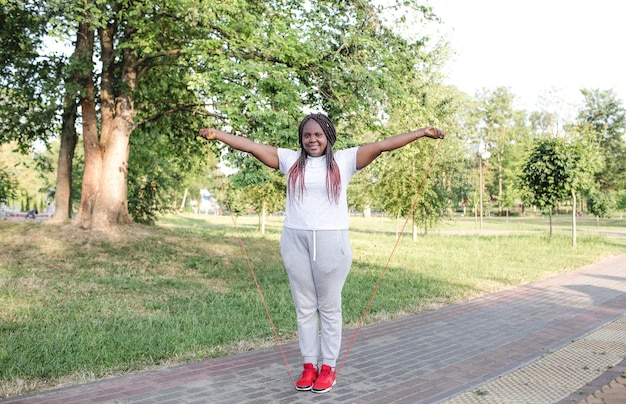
<point>317,264</point>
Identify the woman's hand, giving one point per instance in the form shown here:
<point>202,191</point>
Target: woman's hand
<point>432,132</point>
<point>209,133</point>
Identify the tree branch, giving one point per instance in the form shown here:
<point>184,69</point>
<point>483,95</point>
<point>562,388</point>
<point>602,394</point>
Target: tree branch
<point>142,65</point>
<point>181,108</point>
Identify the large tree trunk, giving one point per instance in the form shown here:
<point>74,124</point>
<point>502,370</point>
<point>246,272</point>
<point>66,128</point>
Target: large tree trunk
<point>104,200</point>
<point>111,207</point>
<point>93,158</point>
<point>63,191</point>
<point>63,194</point>
<point>93,164</point>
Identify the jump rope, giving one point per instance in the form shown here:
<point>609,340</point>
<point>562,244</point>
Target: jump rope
<point>380,279</point>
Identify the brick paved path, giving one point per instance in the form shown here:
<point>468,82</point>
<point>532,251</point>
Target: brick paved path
<point>457,353</point>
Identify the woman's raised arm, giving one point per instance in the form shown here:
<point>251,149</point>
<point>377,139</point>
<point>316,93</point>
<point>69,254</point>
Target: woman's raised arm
<point>267,155</point>
<point>369,152</point>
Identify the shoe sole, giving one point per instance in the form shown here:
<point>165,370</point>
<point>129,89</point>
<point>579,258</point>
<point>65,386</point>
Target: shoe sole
<point>304,388</point>
<point>319,391</point>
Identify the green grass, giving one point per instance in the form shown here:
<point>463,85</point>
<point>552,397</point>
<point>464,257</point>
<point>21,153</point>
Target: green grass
<point>78,306</point>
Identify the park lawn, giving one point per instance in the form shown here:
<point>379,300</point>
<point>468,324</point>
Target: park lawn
<point>76,306</point>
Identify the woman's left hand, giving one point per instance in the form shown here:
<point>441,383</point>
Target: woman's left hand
<point>208,133</point>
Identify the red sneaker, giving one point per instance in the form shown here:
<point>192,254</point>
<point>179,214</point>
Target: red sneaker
<point>309,374</point>
<point>325,381</point>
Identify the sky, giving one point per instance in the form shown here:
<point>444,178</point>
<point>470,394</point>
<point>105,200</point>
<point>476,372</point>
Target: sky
<point>534,47</point>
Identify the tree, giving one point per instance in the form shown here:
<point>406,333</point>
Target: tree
<point>605,117</point>
<point>8,185</point>
<point>462,140</point>
<point>141,48</point>
<point>266,196</point>
<point>601,205</point>
<point>79,61</point>
<point>545,175</point>
<point>163,157</point>
<point>29,84</point>
<point>500,127</point>
<point>555,170</point>
<point>398,175</point>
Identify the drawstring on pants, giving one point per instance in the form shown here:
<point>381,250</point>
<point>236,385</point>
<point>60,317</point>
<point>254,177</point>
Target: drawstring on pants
<point>314,245</point>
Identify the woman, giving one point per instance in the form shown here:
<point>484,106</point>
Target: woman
<point>314,243</point>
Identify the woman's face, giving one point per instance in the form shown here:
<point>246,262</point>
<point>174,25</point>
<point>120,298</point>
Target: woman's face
<point>314,139</point>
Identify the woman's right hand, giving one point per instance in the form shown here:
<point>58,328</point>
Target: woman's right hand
<point>433,133</point>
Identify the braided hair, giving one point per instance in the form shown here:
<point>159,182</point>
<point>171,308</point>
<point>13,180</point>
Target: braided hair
<point>333,177</point>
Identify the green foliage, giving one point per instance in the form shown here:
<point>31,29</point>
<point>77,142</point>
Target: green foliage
<point>163,158</point>
<point>30,84</point>
<point>8,185</point>
<point>601,204</point>
<point>501,130</point>
<point>621,200</point>
<point>604,119</point>
<point>544,175</point>
<point>392,182</point>
<point>271,193</point>
<point>237,202</point>
<point>323,55</point>
<point>25,176</point>
<point>554,169</point>
<point>457,159</point>
<point>399,176</point>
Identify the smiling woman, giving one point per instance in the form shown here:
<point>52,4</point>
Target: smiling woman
<point>314,244</point>
<point>314,139</point>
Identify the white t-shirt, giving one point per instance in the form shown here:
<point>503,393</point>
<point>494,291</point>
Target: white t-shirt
<point>315,211</point>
